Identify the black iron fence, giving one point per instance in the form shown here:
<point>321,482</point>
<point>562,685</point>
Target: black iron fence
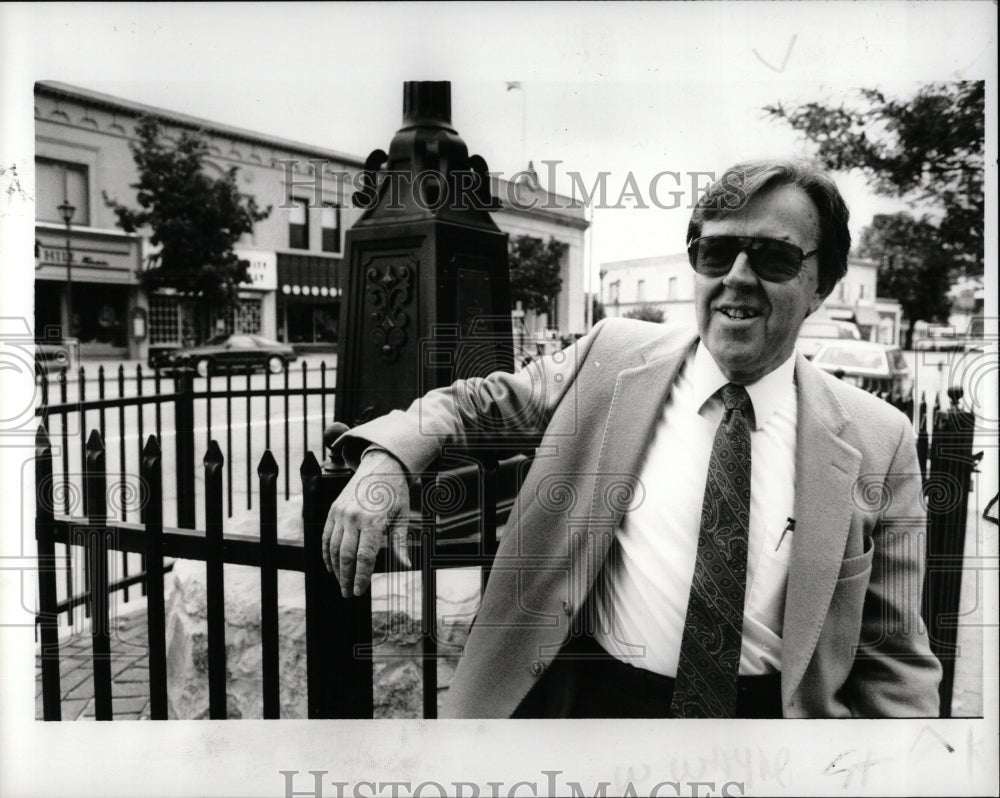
<point>248,413</point>
<point>453,523</point>
<point>444,533</point>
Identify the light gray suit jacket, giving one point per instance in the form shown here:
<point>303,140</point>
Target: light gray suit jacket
<point>854,644</point>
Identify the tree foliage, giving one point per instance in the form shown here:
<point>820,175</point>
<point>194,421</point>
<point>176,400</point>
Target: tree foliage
<point>912,266</point>
<point>597,310</point>
<point>194,218</point>
<point>535,268</point>
<point>646,313</point>
<point>927,149</point>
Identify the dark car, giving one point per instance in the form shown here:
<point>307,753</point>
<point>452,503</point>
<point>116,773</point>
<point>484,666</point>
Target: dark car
<point>878,368</point>
<point>239,352</point>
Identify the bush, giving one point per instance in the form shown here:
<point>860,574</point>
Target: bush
<point>646,313</point>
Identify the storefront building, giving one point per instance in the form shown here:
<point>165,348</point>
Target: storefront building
<point>296,254</point>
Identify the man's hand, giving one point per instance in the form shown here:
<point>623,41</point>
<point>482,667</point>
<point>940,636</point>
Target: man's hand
<point>366,510</point>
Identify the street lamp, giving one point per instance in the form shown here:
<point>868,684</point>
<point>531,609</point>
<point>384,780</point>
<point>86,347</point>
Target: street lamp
<point>66,210</point>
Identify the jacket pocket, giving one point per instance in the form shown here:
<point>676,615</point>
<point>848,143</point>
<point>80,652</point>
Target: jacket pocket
<point>855,566</point>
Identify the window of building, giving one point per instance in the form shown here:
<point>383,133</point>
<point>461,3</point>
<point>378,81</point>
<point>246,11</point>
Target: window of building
<point>242,320</point>
<point>861,291</point>
<point>298,224</point>
<point>613,291</point>
<point>640,291</point>
<point>59,181</point>
<point>672,288</point>
<point>164,320</point>
<point>248,316</point>
<point>331,227</point>
<point>842,291</point>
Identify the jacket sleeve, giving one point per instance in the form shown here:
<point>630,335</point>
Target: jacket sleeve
<point>499,409</point>
<point>895,674</point>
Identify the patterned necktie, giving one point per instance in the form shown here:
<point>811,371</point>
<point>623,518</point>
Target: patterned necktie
<point>713,628</point>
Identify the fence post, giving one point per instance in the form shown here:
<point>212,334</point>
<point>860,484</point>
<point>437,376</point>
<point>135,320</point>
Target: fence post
<point>48,615</point>
<point>184,441</point>
<point>97,565</point>
<point>152,517</point>
<point>947,489</point>
<point>215,598</point>
<point>338,630</point>
<point>267,473</point>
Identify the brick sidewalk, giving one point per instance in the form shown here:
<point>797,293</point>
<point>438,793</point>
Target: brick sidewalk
<point>129,672</point>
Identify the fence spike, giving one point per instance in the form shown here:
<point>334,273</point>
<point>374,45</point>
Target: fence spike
<point>42,443</point>
<point>152,447</point>
<point>268,466</point>
<point>310,466</point>
<point>213,457</point>
<point>95,445</point>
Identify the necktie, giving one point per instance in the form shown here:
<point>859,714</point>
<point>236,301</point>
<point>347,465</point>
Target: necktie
<point>709,663</point>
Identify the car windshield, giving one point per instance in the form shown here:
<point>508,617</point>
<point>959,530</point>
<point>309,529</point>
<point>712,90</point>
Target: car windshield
<point>851,358</point>
<point>217,340</point>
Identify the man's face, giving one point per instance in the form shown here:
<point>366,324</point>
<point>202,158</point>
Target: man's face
<point>748,324</point>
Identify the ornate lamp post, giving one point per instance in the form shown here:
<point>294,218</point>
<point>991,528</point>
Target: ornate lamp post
<point>66,210</point>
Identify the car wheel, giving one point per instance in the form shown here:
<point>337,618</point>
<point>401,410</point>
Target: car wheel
<point>203,366</point>
<point>275,364</point>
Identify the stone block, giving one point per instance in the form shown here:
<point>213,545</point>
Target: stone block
<point>396,605</point>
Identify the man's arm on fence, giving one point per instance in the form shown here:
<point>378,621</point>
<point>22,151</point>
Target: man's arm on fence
<point>396,448</point>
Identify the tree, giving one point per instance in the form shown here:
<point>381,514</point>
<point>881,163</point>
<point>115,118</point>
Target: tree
<point>535,268</point>
<point>597,310</point>
<point>195,219</point>
<point>928,150</point>
<point>912,266</point>
<point>646,313</point>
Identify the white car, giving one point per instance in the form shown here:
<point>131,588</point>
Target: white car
<point>878,368</point>
<point>815,333</point>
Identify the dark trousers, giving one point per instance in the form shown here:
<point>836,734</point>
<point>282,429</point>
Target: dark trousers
<point>584,681</point>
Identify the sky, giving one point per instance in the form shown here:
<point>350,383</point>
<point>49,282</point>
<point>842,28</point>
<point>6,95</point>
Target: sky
<point>607,87</point>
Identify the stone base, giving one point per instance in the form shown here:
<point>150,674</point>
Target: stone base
<point>396,615</point>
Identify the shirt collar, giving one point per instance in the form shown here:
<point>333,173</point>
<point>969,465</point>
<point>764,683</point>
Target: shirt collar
<point>766,395</point>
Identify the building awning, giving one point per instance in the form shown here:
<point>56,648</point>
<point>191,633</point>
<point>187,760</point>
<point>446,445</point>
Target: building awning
<point>308,276</point>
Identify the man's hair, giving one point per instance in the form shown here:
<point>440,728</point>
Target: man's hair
<point>744,181</point>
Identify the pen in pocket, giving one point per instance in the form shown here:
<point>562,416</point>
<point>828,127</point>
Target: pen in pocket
<point>789,527</point>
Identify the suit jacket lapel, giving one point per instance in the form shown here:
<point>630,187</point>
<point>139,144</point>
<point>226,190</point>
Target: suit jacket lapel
<point>635,407</point>
<point>826,471</point>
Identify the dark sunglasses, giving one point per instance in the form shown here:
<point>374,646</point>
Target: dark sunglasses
<point>771,259</point>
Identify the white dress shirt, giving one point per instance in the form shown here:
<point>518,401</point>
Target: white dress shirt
<point>642,591</point>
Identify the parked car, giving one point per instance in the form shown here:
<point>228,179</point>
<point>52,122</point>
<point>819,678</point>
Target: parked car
<point>939,338</point>
<point>240,352</point>
<point>815,333</point>
<point>878,368</point>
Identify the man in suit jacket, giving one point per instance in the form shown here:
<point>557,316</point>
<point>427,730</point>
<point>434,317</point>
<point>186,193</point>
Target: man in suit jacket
<point>586,610</point>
